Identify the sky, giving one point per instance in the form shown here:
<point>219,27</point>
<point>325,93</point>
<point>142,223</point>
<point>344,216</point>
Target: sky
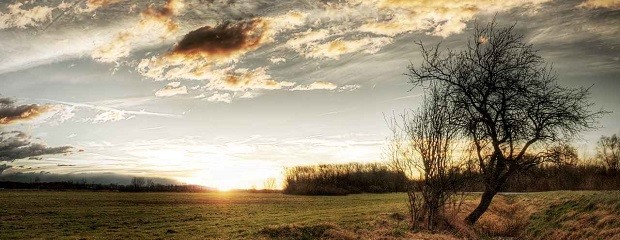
<point>228,93</point>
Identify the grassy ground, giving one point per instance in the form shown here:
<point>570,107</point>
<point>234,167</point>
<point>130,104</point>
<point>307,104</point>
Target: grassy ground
<point>109,215</point>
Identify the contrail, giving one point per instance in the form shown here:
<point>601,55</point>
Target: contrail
<point>405,97</point>
<point>103,108</point>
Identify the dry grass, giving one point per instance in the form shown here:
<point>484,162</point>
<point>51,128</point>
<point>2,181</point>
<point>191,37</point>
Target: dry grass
<point>567,215</point>
<point>592,216</point>
<point>506,217</point>
<point>318,231</point>
<point>385,227</point>
<point>550,215</point>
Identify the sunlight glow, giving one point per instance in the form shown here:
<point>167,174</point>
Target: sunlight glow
<point>230,176</point>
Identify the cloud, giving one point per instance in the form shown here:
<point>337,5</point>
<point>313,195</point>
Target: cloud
<point>443,17</point>
<point>215,48</point>
<point>162,17</point>
<point>335,48</point>
<point>593,4</point>
<point>349,88</point>
<point>319,85</point>
<point>243,79</point>
<point>223,42</point>
<point>11,113</point>
<point>119,47</point>
<point>16,17</point>
<point>112,116</point>
<point>276,60</point>
<point>18,145</point>
<point>199,51</point>
<point>220,97</point>
<point>173,88</point>
<point>92,5</point>
<point>300,41</point>
<point>154,23</point>
<point>328,20</point>
<point>324,85</point>
<point>249,95</point>
<point>290,20</point>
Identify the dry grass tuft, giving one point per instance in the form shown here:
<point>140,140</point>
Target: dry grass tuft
<point>318,231</point>
<point>506,217</point>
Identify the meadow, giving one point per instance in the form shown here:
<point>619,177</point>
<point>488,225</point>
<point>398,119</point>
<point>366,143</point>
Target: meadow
<point>242,215</point>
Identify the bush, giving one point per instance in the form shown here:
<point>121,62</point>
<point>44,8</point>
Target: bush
<point>342,179</point>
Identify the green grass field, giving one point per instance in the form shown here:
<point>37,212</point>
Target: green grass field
<point>232,215</point>
<point>181,215</point>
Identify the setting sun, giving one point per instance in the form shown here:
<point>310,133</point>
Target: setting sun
<point>225,177</point>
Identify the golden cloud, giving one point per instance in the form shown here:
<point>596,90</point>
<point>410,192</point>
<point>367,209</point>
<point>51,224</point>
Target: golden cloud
<point>92,5</point>
<point>16,17</point>
<point>119,47</point>
<point>244,79</point>
<point>442,17</point>
<point>154,22</point>
<point>210,47</point>
<point>162,16</point>
<point>303,39</point>
<point>335,48</point>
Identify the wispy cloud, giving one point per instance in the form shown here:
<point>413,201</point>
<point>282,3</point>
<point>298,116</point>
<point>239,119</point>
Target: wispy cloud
<point>171,89</point>
<point>109,114</point>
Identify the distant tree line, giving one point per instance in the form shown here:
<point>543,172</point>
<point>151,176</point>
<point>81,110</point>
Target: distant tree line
<point>138,184</point>
<point>564,177</point>
<point>563,170</point>
<point>342,179</point>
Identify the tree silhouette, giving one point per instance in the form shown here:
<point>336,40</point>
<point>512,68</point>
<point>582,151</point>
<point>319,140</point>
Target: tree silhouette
<point>507,103</point>
<point>609,152</point>
<point>422,146</point>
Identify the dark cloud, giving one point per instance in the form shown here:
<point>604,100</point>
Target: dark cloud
<point>18,145</point>
<point>11,113</point>
<point>224,41</point>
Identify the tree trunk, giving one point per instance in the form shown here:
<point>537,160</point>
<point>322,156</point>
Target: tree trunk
<point>485,201</point>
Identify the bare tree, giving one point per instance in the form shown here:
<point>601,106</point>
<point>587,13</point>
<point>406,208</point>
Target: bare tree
<point>138,183</point>
<point>270,183</point>
<point>150,184</point>
<point>609,151</point>
<point>506,101</point>
<point>422,146</point>
<point>562,154</point>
